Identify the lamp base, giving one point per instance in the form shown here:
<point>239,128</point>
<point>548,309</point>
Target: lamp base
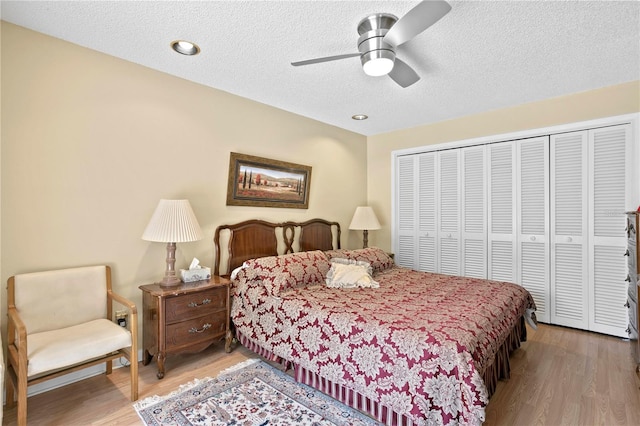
<point>365,239</point>
<point>170,279</point>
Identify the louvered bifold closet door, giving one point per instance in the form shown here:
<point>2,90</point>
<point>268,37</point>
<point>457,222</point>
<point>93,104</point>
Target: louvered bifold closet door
<point>533,221</point>
<point>427,213</point>
<point>474,212</point>
<point>405,249</point>
<point>501,263</point>
<point>449,195</point>
<point>607,263</point>
<point>569,229</point>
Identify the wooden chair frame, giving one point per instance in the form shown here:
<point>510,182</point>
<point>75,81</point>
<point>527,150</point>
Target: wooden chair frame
<point>16,371</point>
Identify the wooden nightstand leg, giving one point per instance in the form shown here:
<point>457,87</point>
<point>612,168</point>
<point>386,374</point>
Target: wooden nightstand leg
<point>161,357</point>
<point>146,357</point>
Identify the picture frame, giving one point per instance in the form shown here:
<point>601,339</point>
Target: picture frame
<point>264,182</point>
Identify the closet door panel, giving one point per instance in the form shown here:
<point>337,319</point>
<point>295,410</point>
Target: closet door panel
<point>608,148</point>
<point>427,213</point>
<point>406,210</point>
<point>609,184</point>
<point>533,221</point>
<point>608,313</point>
<point>533,276</point>
<point>449,212</point>
<point>502,264</point>
<point>568,295</point>
<point>569,230</point>
<point>474,213</point>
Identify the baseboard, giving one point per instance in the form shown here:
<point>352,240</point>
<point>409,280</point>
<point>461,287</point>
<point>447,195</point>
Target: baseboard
<point>67,379</point>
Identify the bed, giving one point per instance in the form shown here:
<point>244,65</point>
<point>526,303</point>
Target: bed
<point>407,347</point>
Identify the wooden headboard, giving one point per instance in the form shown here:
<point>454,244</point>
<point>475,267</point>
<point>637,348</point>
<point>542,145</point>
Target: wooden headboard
<point>257,238</point>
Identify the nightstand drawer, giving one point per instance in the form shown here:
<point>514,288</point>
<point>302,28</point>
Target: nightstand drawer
<point>196,330</point>
<point>195,304</point>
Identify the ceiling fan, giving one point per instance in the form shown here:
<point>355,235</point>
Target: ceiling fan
<point>382,33</point>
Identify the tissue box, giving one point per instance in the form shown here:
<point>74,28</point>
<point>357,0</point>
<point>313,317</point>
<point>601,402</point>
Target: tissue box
<point>190,275</point>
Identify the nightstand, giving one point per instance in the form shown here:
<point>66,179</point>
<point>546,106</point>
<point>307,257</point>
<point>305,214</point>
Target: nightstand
<point>185,318</point>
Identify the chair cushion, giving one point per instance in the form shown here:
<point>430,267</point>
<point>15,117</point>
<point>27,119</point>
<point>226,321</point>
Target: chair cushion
<point>56,349</point>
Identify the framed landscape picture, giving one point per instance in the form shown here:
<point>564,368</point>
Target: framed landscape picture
<point>262,182</point>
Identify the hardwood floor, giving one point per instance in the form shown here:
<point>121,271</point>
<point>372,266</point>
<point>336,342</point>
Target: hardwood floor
<point>560,376</point>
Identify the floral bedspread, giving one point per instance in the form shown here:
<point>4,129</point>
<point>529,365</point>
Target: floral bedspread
<point>418,344</point>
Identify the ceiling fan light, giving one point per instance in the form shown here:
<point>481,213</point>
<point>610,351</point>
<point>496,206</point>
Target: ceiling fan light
<point>377,62</point>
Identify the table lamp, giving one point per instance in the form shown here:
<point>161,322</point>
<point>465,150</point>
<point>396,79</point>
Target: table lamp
<point>172,222</point>
<point>364,219</point>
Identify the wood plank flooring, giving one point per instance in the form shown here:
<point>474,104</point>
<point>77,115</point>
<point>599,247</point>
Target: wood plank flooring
<point>563,376</point>
<point>560,376</point>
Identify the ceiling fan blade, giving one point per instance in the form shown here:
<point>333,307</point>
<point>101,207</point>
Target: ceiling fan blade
<point>325,59</point>
<point>418,19</point>
<point>403,74</point>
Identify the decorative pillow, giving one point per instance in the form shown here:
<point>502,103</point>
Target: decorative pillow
<point>376,257</point>
<point>346,275</point>
<point>345,261</point>
<point>288,271</point>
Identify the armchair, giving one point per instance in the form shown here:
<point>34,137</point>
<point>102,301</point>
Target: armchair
<point>60,322</point>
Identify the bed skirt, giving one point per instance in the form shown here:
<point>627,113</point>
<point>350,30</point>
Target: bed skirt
<point>498,369</point>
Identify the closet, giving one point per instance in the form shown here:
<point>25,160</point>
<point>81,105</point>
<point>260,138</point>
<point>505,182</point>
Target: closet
<point>546,212</point>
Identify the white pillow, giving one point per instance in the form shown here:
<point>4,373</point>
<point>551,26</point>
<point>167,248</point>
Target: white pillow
<point>345,261</point>
<point>234,273</point>
<point>349,276</point>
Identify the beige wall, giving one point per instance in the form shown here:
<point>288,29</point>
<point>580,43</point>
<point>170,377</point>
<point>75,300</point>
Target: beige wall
<point>606,102</point>
<point>90,143</point>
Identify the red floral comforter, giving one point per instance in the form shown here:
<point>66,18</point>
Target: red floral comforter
<point>418,344</point>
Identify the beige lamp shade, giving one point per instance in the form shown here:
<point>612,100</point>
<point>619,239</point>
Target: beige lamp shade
<point>172,222</point>
<point>364,219</point>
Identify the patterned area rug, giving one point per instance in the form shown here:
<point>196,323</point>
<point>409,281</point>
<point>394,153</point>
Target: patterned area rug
<point>250,394</point>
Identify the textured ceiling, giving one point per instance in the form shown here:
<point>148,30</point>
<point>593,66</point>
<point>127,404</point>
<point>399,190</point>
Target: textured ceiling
<point>483,55</point>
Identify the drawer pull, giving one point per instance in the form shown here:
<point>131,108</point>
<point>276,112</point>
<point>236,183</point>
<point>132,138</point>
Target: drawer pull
<point>626,253</point>
<point>195,330</point>
<point>626,305</point>
<point>195,305</point>
<point>628,330</point>
<point>628,279</point>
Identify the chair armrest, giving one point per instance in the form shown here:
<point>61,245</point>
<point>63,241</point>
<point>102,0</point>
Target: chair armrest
<point>133,325</point>
<point>16,339</point>
<point>16,326</point>
<point>124,301</point>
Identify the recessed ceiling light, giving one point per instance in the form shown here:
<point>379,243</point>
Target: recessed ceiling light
<point>185,47</point>
<point>360,117</point>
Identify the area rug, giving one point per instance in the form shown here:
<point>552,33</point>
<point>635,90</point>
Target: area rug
<point>250,394</point>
